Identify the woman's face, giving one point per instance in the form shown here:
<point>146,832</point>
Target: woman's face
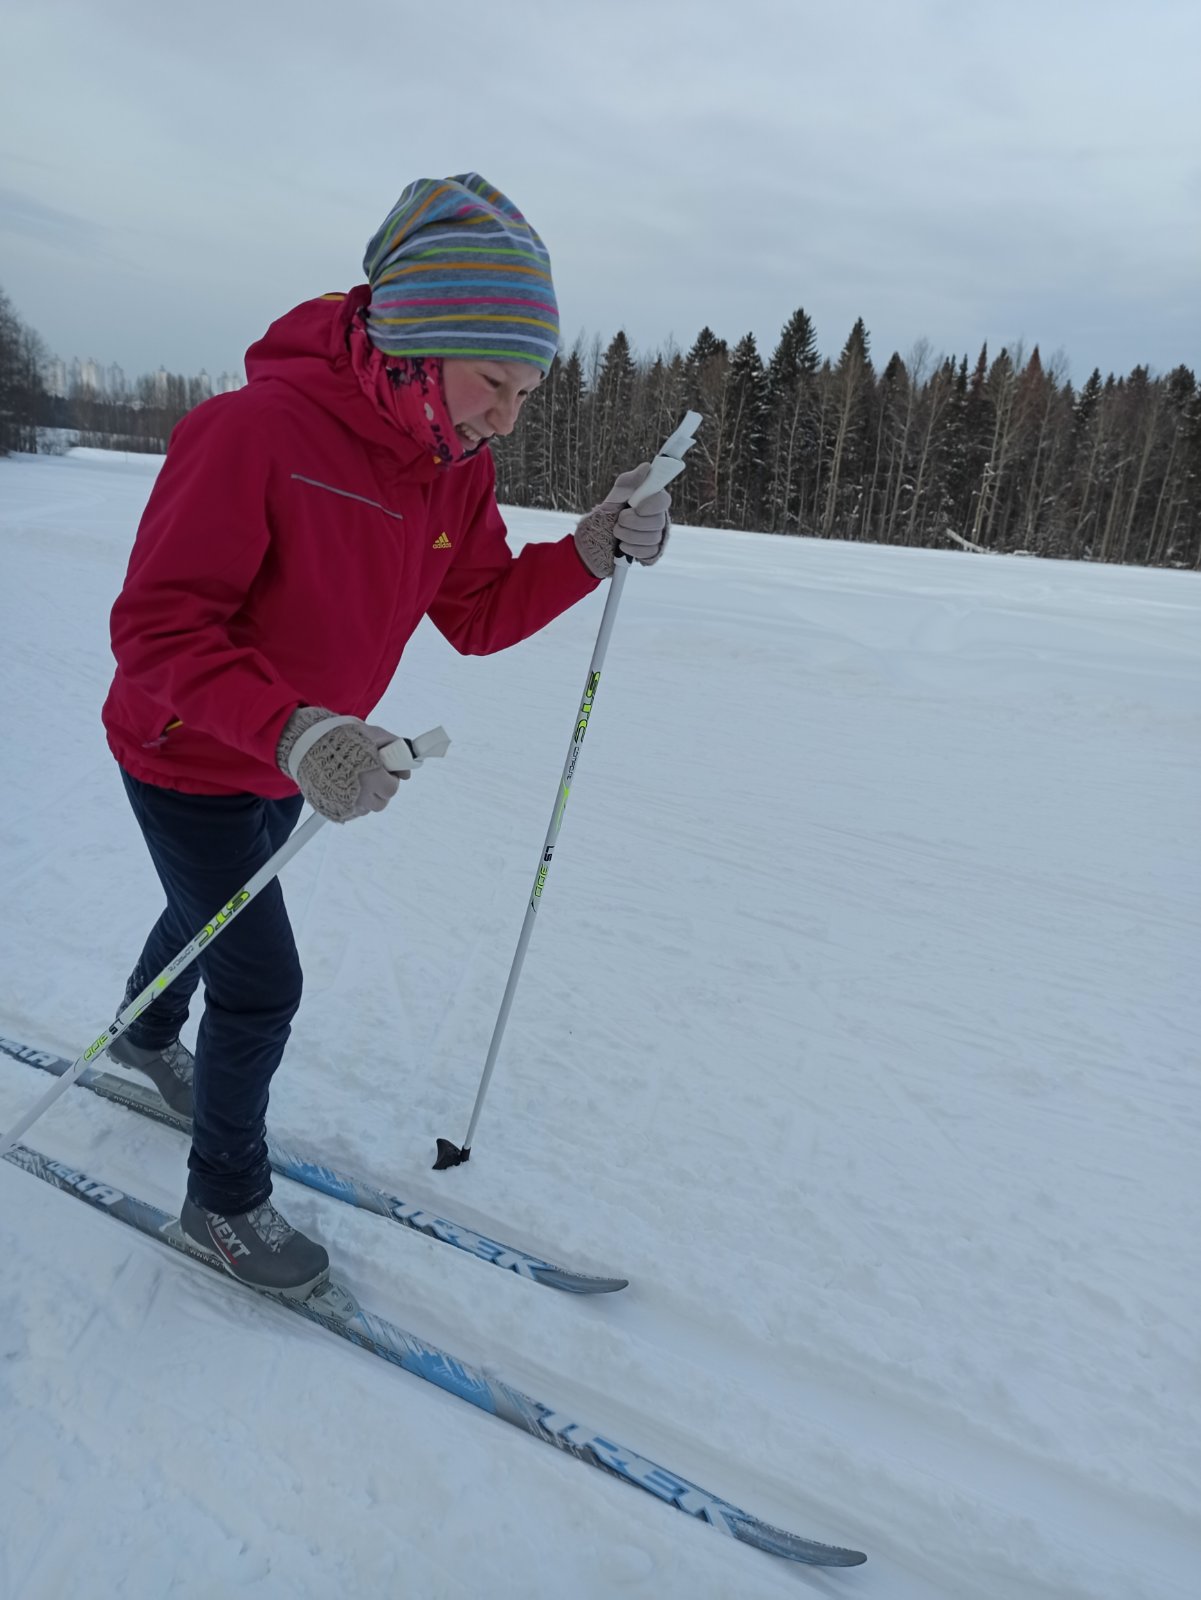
<point>485,397</point>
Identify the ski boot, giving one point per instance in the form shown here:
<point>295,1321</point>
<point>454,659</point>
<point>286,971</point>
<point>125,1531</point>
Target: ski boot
<point>259,1248</point>
<point>169,1069</point>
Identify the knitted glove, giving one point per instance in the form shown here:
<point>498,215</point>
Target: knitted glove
<point>614,526</point>
<point>338,771</point>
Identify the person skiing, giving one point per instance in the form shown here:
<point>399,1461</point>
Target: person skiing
<point>297,533</point>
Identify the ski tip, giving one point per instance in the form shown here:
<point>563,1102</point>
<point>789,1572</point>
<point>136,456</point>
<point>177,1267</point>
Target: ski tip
<point>450,1155</point>
<point>792,1546</point>
<point>847,1558</point>
<point>577,1282</point>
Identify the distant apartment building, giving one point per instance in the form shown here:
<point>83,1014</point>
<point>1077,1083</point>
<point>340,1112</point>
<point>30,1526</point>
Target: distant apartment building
<point>63,379</point>
<point>54,377</point>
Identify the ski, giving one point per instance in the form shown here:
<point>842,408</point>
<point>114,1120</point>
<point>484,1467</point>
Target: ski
<point>334,1308</point>
<point>289,1163</point>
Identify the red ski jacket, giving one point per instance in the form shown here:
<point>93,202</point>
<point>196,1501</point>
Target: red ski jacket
<point>292,542</point>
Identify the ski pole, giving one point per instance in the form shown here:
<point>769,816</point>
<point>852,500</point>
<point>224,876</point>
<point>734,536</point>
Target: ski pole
<point>400,756</point>
<point>668,464</point>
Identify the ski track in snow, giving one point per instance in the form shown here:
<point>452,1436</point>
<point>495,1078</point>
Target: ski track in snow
<point>860,1029</point>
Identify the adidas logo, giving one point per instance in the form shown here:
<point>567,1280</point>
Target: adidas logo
<point>441,542</point>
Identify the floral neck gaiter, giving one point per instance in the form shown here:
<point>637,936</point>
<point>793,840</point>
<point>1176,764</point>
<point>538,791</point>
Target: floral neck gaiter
<point>408,391</point>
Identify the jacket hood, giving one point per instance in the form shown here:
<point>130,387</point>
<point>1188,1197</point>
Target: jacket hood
<point>307,350</point>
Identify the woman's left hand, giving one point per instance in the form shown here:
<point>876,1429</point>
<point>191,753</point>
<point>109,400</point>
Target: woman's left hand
<point>614,527</point>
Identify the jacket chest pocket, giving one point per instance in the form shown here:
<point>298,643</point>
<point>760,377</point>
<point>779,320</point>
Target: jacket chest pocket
<point>319,486</point>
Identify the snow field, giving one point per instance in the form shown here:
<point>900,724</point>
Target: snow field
<point>859,1029</point>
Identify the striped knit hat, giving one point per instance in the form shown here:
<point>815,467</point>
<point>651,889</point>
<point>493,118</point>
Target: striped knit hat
<point>456,270</point>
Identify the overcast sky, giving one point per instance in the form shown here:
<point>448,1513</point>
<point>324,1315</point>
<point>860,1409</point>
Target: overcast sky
<point>173,177</point>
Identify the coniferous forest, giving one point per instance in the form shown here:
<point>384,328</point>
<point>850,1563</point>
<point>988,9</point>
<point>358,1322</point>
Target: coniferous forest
<point>1001,453</point>
<point>997,454</point>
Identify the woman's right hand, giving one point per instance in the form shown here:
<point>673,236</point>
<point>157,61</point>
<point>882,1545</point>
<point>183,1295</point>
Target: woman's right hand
<point>338,767</point>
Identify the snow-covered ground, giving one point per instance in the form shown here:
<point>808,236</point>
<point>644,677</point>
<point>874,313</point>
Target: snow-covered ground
<point>861,1029</point>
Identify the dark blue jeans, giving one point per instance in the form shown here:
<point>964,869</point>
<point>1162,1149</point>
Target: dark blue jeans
<point>204,848</point>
